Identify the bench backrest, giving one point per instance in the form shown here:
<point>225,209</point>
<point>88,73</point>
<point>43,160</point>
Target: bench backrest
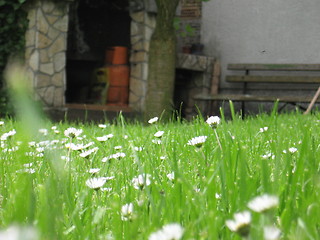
<point>274,78</point>
<point>275,67</point>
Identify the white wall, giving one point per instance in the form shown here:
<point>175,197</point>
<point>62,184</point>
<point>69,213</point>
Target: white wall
<point>262,31</point>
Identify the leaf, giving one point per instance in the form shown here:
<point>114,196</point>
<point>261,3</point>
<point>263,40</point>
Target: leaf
<point>99,215</point>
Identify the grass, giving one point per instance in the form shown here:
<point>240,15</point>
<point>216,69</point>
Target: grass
<point>43,183</point>
<point>116,181</point>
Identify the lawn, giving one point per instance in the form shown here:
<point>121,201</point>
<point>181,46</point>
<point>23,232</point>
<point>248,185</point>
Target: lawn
<point>253,178</point>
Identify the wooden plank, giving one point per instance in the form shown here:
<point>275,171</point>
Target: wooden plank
<point>215,78</point>
<point>275,67</point>
<point>96,107</point>
<point>254,98</point>
<point>273,79</point>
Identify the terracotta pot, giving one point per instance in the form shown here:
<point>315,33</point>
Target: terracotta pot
<point>117,55</point>
<point>118,90</point>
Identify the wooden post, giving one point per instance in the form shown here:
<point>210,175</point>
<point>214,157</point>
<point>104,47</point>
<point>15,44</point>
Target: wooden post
<point>214,86</point>
<point>314,99</point>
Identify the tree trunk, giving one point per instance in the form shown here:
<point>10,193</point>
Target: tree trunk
<point>162,62</point>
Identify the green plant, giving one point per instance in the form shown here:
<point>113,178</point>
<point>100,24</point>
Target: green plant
<point>13,25</point>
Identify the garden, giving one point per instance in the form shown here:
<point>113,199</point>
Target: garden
<point>210,178</point>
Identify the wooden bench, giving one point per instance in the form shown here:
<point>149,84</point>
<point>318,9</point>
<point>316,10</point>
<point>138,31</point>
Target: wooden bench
<point>268,76</point>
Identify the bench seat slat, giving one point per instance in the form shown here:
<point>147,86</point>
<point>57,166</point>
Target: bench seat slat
<point>275,67</point>
<point>273,79</point>
<point>254,98</point>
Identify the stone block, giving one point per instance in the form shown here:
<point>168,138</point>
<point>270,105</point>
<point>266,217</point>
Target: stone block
<point>138,46</point>
<point>48,6</point>
<point>59,45</point>
<point>30,37</point>
<point>32,13</point>
<point>150,21</point>
<point>138,57</point>
<point>52,19</point>
<point>47,68</point>
<point>43,25</point>
<point>34,60</point>
<point>43,80</point>
<point>137,17</point>
<point>146,45</point>
<point>44,58</point>
<point>27,53</point>
<point>59,61</point>
<point>135,39</point>
<point>43,41</point>
<point>145,71</point>
<point>136,29</point>
<point>49,96</point>
<point>30,75</point>
<point>58,79</point>
<point>135,102</point>
<point>148,33</point>
<point>58,100</point>
<point>137,87</point>
<point>53,33</point>
<point>39,94</point>
<point>62,24</point>
<point>136,70</point>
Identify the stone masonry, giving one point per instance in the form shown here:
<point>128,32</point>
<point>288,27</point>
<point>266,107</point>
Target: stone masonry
<point>46,40</point>
<point>142,26</point>
<point>46,46</point>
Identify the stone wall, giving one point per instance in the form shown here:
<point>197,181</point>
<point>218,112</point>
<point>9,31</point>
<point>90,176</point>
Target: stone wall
<point>46,44</point>
<point>142,26</point>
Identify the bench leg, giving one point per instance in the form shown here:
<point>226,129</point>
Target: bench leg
<point>292,103</point>
<point>242,108</point>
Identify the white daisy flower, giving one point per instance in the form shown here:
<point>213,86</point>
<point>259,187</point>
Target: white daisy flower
<point>213,121</point>
<point>94,170</point>
<point>102,125</point>
<point>15,232</point>
<point>5,136</point>
<point>65,158</point>
<point>1,123</point>
<point>153,120</point>
<point>156,141</point>
<point>170,176</point>
<point>141,181</point>
<point>171,231</point>
<point>87,153</point>
<point>197,141</point>
<point>292,150</point>
<point>72,132</point>
<point>108,189</point>
<point>105,137</point>
<point>97,183</point>
<point>268,156</point>
<point>114,156</point>
<point>26,170</point>
<point>159,134</point>
<point>43,131</point>
<point>263,129</point>
<point>241,223</point>
<point>263,203</point>
<point>218,196</point>
<point>271,233</point>
<point>117,147</point>
<point>126,212</point>
<point>138,149</point>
